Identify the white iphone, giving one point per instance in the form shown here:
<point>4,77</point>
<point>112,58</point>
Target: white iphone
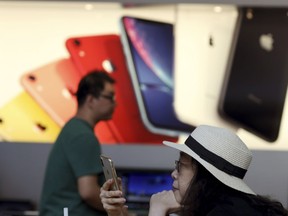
<point>203,37</point>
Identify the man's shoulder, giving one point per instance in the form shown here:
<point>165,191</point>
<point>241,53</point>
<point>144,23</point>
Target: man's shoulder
<point>75,131</point>
<point>77,122</point>
<point>77,126</point>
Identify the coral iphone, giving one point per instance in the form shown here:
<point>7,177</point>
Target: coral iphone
<point>46,86</point>
<point>105,52</point>
<point>53,86</point>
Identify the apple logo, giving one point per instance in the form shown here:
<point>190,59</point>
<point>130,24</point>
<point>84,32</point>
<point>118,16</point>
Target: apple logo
<point>211,41</point>
<point>266,42</point>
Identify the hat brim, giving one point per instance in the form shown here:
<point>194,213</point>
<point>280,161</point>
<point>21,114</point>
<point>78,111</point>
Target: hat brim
<point>229,180</point>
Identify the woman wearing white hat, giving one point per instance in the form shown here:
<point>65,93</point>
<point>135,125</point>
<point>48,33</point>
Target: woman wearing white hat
<point>208,180</point>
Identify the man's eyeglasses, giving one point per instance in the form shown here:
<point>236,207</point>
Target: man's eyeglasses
<point>108,97</point>
<point>177,165</point>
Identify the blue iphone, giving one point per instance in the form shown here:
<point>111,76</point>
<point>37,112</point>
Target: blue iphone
<point>149,50</point>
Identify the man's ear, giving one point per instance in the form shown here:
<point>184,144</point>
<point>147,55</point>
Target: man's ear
<point>90,99</point>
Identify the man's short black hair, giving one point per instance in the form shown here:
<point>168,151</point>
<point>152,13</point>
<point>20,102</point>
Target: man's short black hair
<point>93,83</point>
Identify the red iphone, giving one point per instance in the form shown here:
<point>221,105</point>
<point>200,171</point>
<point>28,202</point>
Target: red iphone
<point>105,52</point>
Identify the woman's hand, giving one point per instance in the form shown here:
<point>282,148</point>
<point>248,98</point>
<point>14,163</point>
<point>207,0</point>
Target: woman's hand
<point>162,203</point>
<point>112,201</point>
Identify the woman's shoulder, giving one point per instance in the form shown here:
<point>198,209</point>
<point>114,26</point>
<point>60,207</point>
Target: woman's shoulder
<point>248,205</point>
<point>236,206</point>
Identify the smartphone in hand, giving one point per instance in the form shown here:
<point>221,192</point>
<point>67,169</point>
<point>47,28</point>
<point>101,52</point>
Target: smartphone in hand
<point>109,171</point>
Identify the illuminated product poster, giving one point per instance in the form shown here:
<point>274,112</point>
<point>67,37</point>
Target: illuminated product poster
<point>172,72</point>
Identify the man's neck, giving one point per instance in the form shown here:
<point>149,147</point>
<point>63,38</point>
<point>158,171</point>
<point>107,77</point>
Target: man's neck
<point>86,117</point>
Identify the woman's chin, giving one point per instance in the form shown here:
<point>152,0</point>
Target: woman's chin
<point>177,195</point>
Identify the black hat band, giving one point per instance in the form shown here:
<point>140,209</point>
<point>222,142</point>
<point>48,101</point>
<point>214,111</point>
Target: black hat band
<point>214,159</point>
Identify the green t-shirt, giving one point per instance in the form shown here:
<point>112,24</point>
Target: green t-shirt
<point>75,153</point>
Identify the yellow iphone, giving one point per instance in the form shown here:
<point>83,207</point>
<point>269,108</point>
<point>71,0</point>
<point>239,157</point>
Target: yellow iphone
<point>23,120</point>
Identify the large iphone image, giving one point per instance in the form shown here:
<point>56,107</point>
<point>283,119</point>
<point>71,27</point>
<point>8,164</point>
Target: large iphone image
<point>203,37</point>
<point>255,87</point>
<point>23,120</point>
<point>149,52</point>
<point>105,52</point>
<point>46,86</point>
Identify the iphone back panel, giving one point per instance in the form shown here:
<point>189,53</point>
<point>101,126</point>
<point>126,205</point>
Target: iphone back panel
<point>105,52</point>
<point>109,171</point>
<point>203,38</point>
<point>255,87</point>
<point>23,120</point>
<point>46,86</point>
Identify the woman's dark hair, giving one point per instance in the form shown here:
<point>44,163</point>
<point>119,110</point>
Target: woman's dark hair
<point>93,83</point>
<point>205,192</point>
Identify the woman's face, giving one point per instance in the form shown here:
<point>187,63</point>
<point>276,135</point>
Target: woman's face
<point>182,175</point>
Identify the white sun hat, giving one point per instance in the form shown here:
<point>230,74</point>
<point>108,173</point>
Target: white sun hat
<point>221,152</point>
